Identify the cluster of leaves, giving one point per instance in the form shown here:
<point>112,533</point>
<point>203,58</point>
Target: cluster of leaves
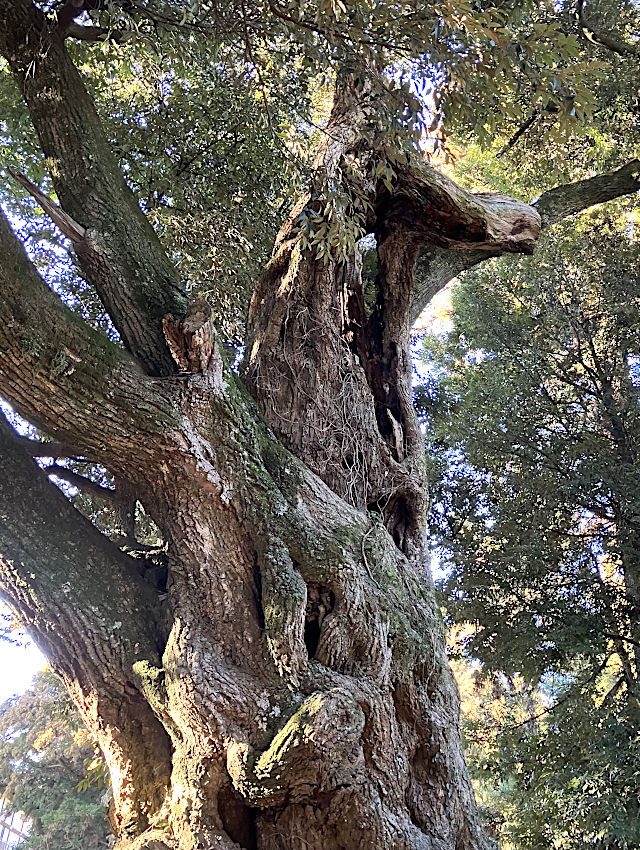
<point>580,114</point>
<point>49,770</point>
<point>535,432</point>
<point>552,768</point>
<point>212,109</point>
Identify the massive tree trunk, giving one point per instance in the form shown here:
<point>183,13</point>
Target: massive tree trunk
<point>287,685</point>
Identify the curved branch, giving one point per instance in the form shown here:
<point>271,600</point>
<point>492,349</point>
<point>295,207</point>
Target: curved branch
<point>120,255</point>
<point>436,266</point>
<point>65,377</point>
<point>567,200</point>
<point>603,38</point>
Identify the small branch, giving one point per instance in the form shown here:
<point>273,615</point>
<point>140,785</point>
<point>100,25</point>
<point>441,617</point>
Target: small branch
<point>572,694</point>
<point>82,483</point>
<point>96,34</point>
<point>70,228</point>
<point>531,120</point>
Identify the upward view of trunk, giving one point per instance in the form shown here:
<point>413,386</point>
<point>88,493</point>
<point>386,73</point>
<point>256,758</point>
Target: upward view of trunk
<point>285,686</point>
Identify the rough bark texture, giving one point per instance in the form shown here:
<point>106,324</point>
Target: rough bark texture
<point>287,686</point>
<point>436,266</point>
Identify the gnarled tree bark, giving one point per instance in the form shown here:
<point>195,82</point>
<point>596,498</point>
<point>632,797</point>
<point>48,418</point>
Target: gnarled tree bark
<point>288,686</point>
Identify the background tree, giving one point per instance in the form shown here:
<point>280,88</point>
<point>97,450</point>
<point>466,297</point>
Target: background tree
<point>284,680</point>
<point>539,440</point>
<point>44,754</point>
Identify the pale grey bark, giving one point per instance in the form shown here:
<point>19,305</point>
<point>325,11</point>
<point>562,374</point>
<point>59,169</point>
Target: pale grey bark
<point>435,266</point>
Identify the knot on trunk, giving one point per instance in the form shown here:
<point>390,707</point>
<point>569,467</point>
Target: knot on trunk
<point>191,340</point>
<point>318,749</point>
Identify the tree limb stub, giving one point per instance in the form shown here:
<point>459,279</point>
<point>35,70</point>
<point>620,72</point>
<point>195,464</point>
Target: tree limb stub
<point>436,266</point>
<point>307,755</point>
<point>191,340</point>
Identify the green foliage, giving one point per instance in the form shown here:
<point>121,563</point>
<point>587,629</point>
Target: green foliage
<point>535,429</point>
<point>216,110</point>
<point>45,753</point>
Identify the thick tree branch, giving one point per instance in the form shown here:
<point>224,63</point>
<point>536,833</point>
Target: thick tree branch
<point>430,205</point>
<point>436,266</point>
<point>81,600</point>
<point>567,200</point>
<point>603,38</point>
<point>68,572</point>
<point>120,255</point>
<point>93,34</point>
<point>65,377</point>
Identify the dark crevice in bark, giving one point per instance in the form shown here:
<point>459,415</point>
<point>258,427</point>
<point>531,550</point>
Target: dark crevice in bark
<point>257,585</point>
<point>238,819</point>
<point>321,601</point>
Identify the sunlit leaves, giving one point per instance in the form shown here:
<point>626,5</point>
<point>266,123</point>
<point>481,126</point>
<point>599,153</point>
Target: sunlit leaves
<point>44,755</point>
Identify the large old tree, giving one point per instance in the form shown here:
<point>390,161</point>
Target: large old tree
<point>285,686</point>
